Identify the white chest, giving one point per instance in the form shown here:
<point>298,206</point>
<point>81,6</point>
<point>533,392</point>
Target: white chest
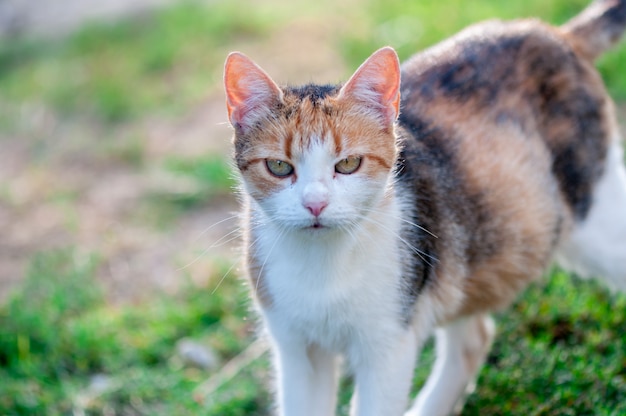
<point>334,291</point>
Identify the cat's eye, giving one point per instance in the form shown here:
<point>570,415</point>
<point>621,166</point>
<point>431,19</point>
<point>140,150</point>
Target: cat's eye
<point>279,168</point>
<point>348,165</point>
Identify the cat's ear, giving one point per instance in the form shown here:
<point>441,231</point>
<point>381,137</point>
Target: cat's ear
<point>249,90</point>
<point>376,84</point>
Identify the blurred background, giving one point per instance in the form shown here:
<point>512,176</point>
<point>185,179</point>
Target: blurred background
<point>119,280</point>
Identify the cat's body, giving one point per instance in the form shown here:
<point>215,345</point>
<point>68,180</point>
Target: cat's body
<point>365,231</point>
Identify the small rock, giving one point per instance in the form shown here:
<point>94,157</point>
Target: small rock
<point>100,383</point>
<point>196,355</point>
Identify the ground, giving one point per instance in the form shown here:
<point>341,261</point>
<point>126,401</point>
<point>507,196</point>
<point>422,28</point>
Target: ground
<point>67,180</point>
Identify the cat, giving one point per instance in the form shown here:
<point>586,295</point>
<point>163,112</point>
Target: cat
<point>417,199</point>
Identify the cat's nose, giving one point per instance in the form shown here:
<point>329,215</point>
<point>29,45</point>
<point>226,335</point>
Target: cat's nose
<point>315,197</point>
<point>316,207</point>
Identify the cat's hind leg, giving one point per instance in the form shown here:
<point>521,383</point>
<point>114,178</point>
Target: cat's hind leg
<point>597,245</point>
<point>462,347</point>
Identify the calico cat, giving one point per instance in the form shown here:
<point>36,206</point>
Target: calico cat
<point>418,198</point>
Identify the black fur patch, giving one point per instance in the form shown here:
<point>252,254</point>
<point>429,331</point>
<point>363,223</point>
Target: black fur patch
<point>315,93</point>
<point>417,174</point>
<point>480,70</point>
<point>616,18</point>
<point>428,169</point>
<point>577,151</point>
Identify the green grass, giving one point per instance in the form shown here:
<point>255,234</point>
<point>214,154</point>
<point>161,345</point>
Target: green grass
<point>560,350</point>
<point>410,26</point>
<point>213,175</point>
<point>56,332</point>
<point>165,62</point>
<point>114,72</point>
<point>201,181</point>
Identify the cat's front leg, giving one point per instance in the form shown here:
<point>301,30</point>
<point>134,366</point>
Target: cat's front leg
<point>384,375</point>
<point>307,379</point>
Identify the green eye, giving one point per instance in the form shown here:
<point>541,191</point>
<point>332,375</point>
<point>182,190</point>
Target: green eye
<point>348,165</point>
<point>279,168</point>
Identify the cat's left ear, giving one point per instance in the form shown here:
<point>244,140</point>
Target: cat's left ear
<point>250,92</point>
<point>376,84</point>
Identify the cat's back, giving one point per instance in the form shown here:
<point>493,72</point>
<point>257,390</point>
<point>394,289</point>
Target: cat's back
<point>505,127</point>
<point>523,72</point>
<point>495,81</point>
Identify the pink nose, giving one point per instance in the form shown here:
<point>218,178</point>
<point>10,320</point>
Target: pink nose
<point>316,207</point>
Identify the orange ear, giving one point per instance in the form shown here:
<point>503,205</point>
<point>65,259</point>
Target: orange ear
<point>377,84</point>
<point>249,90</point>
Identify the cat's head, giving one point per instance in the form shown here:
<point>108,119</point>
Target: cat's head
<point>315,157</point>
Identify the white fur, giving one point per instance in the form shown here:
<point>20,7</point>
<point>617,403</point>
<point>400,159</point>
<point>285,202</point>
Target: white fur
<point>597,246</point>
<point>335,291</point>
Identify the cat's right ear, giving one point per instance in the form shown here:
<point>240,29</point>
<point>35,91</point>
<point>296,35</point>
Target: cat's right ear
<point>249,91</point>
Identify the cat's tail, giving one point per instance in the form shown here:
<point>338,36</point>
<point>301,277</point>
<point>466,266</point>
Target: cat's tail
<point>598,27</point>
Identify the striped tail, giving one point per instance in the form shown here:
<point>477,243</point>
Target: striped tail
<point>598,27</point>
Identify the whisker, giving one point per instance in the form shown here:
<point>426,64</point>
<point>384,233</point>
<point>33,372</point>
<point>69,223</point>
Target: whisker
<point>258,279</point>
<point>418,226</point>
<point>195,260</point>
<point>224,277</point>
<point>403,220</point>
<point>218,243</point>
<point>417,251</point>
<point>206,230</point>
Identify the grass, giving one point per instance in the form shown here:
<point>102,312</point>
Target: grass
<point>56,333</point>
<point>115,72</point>
<point>410,26</point>
<point>197,182</point>
<point>211,173</point>
<point>560,349</point>
<point>164,62</point>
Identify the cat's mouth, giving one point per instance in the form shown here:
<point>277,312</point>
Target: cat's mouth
<point>316,225</point>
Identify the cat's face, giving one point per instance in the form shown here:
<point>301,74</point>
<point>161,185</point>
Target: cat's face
<point>315,157</point>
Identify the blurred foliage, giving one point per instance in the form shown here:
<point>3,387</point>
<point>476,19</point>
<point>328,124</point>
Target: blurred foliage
<point>165,61</point>
<point>116,71</point>
<point>198,182</point>
<point>560,349</point>
<point>410,26</point>
<point>56,332</point>
<point>212,173</point>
